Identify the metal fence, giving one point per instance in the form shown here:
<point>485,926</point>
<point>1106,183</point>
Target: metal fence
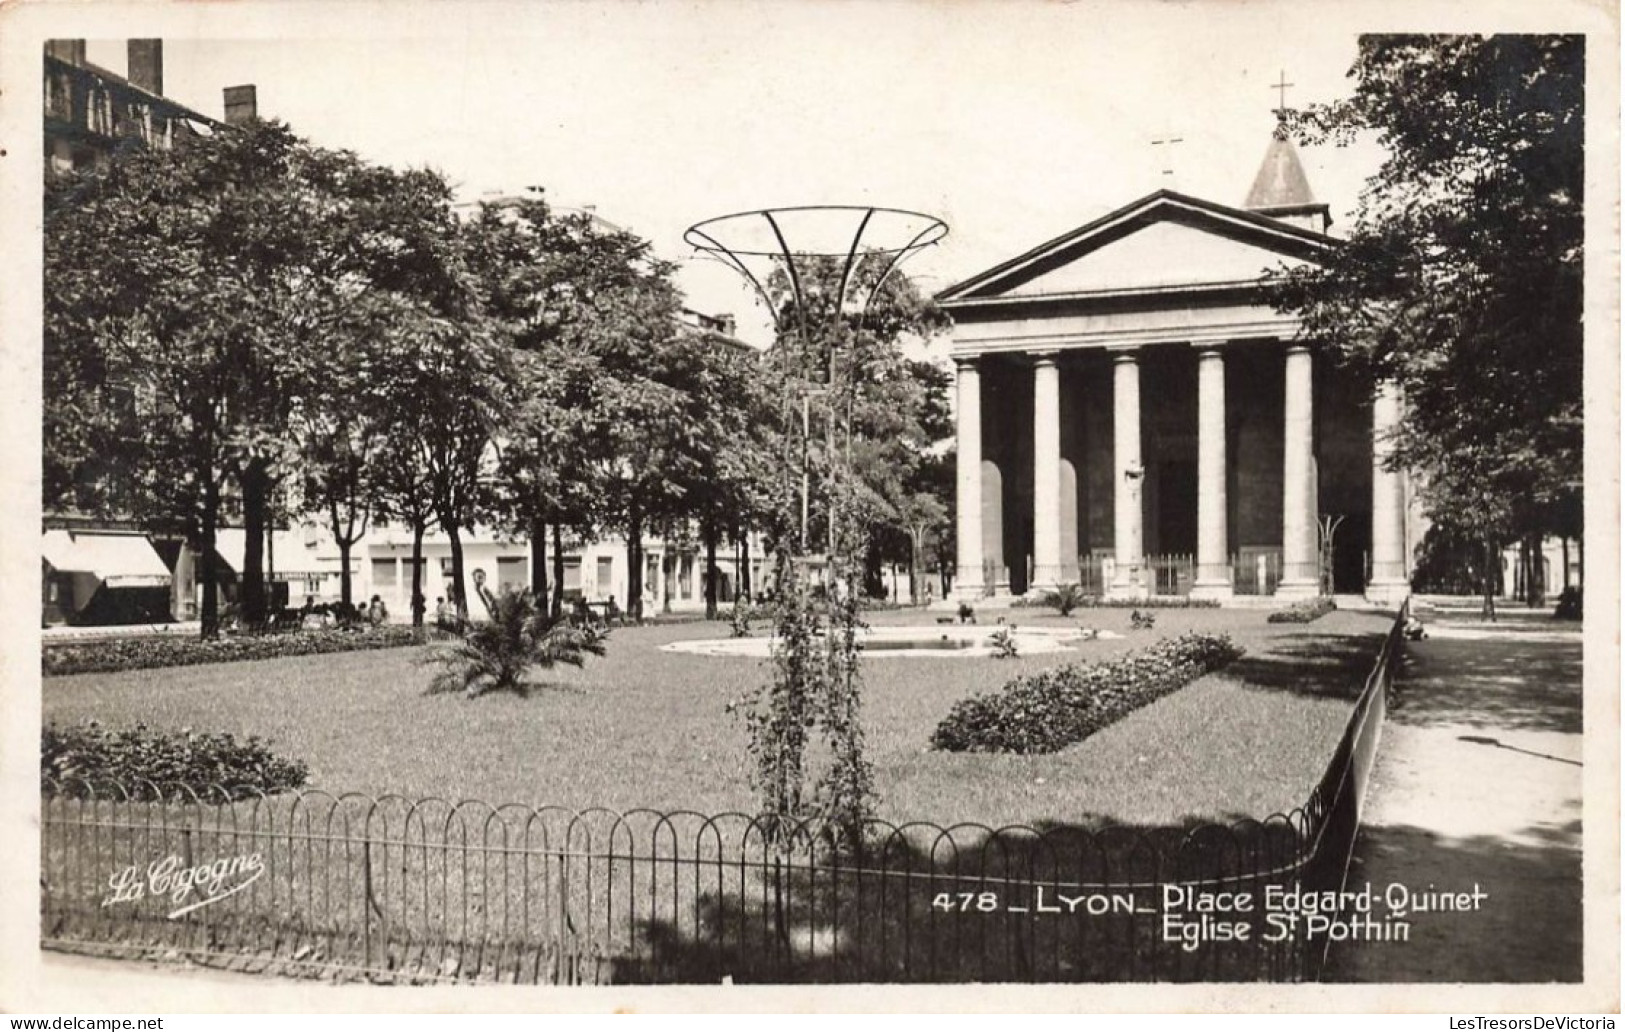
<point>398,890</point>
<point>1255,571</point>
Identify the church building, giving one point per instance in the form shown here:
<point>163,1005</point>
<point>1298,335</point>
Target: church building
<point>1133,416</point>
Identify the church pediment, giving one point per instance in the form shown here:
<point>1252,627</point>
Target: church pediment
<point>1163,241</point>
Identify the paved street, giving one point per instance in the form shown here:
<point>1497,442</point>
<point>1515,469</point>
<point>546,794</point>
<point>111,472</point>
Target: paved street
<point>1478,783</point>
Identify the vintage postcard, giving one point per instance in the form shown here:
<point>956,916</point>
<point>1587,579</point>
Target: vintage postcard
<point>706,506</point>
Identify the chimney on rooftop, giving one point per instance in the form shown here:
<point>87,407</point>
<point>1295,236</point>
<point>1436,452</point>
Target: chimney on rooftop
<point>69,50</point>
<point>146,64</point>
<point>242,106</point>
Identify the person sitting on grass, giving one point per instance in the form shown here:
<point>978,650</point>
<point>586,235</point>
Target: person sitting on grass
<point>377,614</point>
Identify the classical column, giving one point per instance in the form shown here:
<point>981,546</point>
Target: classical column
<point>1127,581</point>
<point>1046,472</point>
<point>1390,582</point>
<point>1212,528</point>
<point>968,494</point>
<point>1300,534</point>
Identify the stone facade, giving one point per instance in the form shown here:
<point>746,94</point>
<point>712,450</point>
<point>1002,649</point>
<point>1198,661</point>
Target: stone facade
<point>1133,415</point>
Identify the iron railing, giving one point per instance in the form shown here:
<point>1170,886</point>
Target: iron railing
<point>389,889</point>
<point>1255,571</point>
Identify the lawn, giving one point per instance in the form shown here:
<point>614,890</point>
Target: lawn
<point>646,728</point>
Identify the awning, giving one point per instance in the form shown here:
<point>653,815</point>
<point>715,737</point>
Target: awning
<point>118,560</point>
<point>229,545</point>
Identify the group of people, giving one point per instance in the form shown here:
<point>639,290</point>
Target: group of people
<point>342,614</point>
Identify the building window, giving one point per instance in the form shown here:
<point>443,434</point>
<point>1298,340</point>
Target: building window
<point>606,575</point>
<point>511,573</point>
<point>383,575</point>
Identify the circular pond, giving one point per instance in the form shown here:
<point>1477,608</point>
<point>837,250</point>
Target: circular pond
<point>944,640</point>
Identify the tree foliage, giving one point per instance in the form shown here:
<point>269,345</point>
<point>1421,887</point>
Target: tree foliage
<point>1461,279</point>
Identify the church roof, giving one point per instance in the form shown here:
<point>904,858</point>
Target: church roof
<point>1164,206</point>
<point>1280,182</point>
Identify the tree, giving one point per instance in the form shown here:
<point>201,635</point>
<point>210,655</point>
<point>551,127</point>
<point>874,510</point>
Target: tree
<point>1461,279</point>
<point>167,356</point>
<point>639,409</point>
<point>549,281</point>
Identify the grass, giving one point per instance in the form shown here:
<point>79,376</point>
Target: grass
<point>646,728</point>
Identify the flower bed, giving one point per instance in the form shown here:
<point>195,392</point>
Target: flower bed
<point>111,655</point>
<point>1310,609</point>
<point>75,760</point>
<point>1049,710</point>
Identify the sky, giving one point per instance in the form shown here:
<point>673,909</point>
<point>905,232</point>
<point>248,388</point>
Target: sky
<point>1012,122</point>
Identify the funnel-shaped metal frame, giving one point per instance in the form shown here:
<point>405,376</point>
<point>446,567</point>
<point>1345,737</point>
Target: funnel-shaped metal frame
<point>768,233</point>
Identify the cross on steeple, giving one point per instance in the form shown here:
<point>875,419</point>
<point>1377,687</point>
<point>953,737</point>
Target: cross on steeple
<point>1281,86</point>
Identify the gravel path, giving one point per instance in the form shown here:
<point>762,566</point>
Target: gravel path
<point>1478,785</point>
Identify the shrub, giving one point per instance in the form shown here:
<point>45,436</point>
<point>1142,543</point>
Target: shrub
<point>496,655</point>
<point>142,653</point>
<point>1051,709</point>
<point>1308,610</point>
<point>145,763</point>
<point>739,622</point>
<point>1142,621</point>
<point>1570,605</point>
<point>1003,643</point>
<point>1065,598</point>
<point>966,613</point>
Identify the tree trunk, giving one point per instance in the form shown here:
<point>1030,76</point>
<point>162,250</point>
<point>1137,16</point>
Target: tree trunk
<point>668,572</point>
<point>1565,562</point>
<point>345,588</point>
<point>459,597</point>
<point>344,540</point>
<point>1537,570</point>
<point>1490,569</point>
<point>419,602</point>
<point>874,575</point>
<point>709,529</point>
<point>211,585</point>
<point>270,560</point>
<point>255,482</point>
<point>739,562</point>
<point>558,571</point>
<point>538,562</point>
<point>634,563</point>
<point>745,586</point>
<point>916,550</point>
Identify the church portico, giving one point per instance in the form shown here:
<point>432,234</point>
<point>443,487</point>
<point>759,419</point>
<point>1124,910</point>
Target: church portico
<point>1146,427</point>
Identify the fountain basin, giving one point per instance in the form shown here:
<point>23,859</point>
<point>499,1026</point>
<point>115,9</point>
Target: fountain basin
<point>954,641</point>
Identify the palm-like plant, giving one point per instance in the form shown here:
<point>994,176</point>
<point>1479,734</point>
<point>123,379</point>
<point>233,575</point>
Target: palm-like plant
<point>1066,598</point>
<point>496,655</point>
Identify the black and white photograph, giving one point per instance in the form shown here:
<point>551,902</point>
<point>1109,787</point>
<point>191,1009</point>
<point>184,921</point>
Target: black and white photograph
<point>548,506</point>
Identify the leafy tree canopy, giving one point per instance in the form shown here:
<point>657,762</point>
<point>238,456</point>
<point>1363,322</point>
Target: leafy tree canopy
<point>1461,278</point>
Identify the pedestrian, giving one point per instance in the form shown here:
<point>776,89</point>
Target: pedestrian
<point>376,613</point>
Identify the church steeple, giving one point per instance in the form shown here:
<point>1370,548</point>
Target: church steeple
<point>1280,189</point>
